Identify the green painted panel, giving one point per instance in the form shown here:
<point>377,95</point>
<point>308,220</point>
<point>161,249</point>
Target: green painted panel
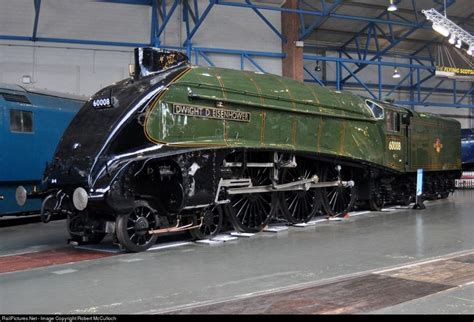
<point>363,138</point>
<point>330,136</point>
<point>244,133</point>
<point>435,143</point>
<point>278,130</point>
<point>182,128</point>
<point>286,114</point>
<point>307,129</point>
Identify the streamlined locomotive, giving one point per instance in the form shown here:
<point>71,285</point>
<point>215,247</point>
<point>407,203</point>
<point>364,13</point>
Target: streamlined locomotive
<point>178,147</point>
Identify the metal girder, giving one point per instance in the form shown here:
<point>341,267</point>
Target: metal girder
<point>314,77</point>
<point>369,52</point>
<point>394,40</point>
<point>198,20</point>
<point>160,14</point>
<point>314,12</point>
<point>267,22</point>
<point>137,2</point>
<point>242,54</point>
<point>376,89</point>
<point>327,10</point>
<point>35,24</point>
<point>195,13</point>
<point>438,39</point>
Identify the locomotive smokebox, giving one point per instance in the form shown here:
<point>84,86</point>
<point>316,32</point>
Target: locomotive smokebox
<point>152,60</point>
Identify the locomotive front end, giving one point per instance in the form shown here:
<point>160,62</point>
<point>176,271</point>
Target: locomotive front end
<point>105,135</point>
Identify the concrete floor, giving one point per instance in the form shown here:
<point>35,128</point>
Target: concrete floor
<point>168,279</point>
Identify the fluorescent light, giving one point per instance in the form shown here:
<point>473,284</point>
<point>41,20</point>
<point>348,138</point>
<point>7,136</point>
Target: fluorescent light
<point>470,51</point>
<point>441,29</point>
<point>392,6</point>
<point>459,37</point>
<point>396,74</point>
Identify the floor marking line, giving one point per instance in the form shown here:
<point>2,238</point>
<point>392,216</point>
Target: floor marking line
<point>170,245</point>
<point>300,286</point>
<point>65,271</point>
<point>423,262</point>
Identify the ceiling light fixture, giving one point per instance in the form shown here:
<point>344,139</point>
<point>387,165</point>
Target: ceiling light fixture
<point>396,74</point>
<point>441,29</point>
<point>470,51</point>
<point>446,27</point>
<point>317,68</point>
<point>392,7</point>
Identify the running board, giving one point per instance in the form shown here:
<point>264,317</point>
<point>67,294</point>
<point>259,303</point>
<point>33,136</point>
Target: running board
<point>244,186</point>
<point>281,164</point>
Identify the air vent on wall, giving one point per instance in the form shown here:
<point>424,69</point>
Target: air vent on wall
<point>16,98</point>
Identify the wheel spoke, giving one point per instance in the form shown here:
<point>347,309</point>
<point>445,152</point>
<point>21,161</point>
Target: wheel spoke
<point>249,213</point>
<point>337,200</point>
<point>299,206</point>
<point>132,228</point>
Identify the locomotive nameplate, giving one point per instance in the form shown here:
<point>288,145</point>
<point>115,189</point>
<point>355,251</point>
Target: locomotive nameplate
<point>211,113</point>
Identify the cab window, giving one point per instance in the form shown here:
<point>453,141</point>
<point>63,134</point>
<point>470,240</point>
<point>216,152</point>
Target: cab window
<point>375,109</point>
<point>21,121</point>
<point>392,121</point>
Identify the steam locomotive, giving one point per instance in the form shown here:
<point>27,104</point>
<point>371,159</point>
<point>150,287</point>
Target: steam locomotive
<point>178,147</point>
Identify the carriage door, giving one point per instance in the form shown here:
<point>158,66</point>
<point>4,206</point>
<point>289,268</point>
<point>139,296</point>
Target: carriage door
<point>395,139</point>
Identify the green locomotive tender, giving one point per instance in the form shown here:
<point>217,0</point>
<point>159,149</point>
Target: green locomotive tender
<point>178,146</point>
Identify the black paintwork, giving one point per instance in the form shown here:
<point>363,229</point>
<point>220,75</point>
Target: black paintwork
<point>89,140</point>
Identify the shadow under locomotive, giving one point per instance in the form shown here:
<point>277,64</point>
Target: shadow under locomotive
<point>178,147</point>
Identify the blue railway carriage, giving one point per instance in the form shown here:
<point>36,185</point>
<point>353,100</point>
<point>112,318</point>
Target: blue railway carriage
<point>31,125</point>
<point>467,149</point>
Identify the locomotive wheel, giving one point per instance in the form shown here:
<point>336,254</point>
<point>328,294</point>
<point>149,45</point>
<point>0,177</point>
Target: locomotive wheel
<point>250,213</point>
<point>444,194</point>
<point>406,200</point>
<point>211,223</point>
<point>132,228</point>
<point>376,201</point>
<point>299,206</point>
<point>47,208</point>
<point>337,200</point>
<point>76,223</point>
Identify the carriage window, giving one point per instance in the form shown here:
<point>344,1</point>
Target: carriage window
<point>392,121</point>
<point>377,111</point>
<point>21,121</point>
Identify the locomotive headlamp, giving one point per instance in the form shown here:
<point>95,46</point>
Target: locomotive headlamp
<point>80,198</point>
<point>20,195</point>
